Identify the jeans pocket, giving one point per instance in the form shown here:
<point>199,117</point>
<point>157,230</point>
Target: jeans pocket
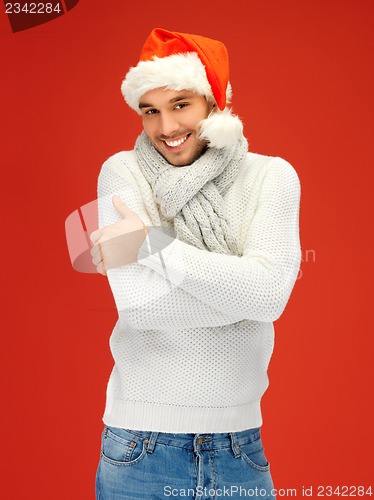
<point>253,455</point>
<point>121,448</point>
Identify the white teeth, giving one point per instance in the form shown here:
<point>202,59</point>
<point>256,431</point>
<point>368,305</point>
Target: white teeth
<point>174,144</point>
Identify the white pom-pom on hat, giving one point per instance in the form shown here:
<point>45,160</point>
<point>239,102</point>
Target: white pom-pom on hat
<point>221,129</point>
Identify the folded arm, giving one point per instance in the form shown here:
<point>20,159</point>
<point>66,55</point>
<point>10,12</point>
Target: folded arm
<point>257,285</point>
<point>144,298</point>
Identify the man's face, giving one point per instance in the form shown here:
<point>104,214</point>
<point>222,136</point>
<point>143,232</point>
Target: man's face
<point>170,120</point>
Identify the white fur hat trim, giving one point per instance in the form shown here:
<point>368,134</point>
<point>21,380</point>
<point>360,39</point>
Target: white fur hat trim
<point>176,72</point>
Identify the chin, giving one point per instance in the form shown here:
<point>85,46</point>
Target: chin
<point>179,162</point>
<point>185,159</point>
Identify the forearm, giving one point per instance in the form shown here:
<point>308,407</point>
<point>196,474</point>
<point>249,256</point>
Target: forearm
<point>255,286</point>
<point>148,301</point>
<point>250,287</point>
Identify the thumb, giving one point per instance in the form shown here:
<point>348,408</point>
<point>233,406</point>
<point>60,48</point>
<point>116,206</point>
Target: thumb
<point>122,208</point>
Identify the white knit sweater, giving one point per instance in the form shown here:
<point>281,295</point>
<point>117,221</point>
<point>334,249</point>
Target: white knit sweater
<point>195,335</point>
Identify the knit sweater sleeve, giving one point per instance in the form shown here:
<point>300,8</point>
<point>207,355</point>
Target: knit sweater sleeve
<point>144,298</point>
<point>257,285</point>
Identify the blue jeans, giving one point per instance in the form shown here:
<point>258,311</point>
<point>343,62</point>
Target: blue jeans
<point>152,465</point>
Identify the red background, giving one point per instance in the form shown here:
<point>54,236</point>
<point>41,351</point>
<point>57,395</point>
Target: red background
<point>302,76</point>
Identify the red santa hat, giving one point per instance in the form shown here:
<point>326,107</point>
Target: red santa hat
<point>180,61</point>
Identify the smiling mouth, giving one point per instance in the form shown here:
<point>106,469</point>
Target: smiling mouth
<point>177,143</point>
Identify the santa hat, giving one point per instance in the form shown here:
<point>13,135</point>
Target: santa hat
<point>180,61</point>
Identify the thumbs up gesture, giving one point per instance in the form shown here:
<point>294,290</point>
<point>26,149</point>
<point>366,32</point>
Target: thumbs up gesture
<point>118,244</point>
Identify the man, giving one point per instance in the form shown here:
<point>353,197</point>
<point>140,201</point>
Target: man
<point>199,239</point>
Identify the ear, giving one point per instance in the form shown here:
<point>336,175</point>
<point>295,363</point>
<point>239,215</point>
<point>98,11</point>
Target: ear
<point>212,108</point>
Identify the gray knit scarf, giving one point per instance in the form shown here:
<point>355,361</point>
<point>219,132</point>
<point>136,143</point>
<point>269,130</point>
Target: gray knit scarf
<point>193,194</point>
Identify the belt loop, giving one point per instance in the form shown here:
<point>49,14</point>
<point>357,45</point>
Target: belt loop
<point>234,445</point>
<point>151,442</point>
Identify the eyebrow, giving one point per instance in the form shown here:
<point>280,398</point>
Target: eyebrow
<point>172,101</point>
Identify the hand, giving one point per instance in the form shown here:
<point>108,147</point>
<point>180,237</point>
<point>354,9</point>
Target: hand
<point>118,244</point>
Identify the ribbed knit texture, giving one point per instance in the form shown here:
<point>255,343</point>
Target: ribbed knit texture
<point>195,335</point>
<point>192,195</point>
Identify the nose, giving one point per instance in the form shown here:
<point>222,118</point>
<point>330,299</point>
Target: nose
<point>168,124</point>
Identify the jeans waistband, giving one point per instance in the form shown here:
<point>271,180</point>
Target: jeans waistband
<point>212,441</point>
